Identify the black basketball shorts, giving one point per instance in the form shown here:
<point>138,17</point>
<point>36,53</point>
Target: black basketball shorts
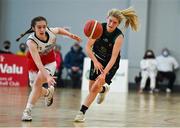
<point>93,75</point>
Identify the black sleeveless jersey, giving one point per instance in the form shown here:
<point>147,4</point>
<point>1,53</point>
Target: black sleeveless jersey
<point>103,46</point>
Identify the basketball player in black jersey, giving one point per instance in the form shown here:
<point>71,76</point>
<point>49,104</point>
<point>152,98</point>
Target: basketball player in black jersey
<point>105,56</point>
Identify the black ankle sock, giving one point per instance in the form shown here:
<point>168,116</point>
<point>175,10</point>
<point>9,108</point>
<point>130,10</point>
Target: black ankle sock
<point>83,109</point>
<point>103,90</point>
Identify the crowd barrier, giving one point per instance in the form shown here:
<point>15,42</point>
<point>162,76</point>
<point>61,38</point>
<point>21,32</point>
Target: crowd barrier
<point>13,70</point>
<point>119,82</point>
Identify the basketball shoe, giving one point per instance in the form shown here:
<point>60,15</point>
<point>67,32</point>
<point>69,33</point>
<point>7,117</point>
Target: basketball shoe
<point>49,97</point>
<point>27,115</point>
<point>101,96</point>
<point>80,117</point>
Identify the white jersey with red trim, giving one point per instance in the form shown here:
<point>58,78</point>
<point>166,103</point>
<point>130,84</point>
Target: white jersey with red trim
<point>44,47</point>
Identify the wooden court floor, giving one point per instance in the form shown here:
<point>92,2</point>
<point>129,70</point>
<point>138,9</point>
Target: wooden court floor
<point>118,110</point>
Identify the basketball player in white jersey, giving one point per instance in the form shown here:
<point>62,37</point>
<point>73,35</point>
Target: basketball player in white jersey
<point>41,61</point>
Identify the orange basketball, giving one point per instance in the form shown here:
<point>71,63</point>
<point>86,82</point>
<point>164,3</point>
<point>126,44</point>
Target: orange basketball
<point>93,29</point>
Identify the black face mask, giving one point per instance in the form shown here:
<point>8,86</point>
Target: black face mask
<point>7,47</point>
<point>23,49</point>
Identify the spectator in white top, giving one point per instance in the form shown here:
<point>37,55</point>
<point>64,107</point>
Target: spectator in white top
<point>166,68</point>
<point>148,67</point>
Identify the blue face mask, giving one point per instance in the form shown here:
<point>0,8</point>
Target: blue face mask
<point>165,53</point>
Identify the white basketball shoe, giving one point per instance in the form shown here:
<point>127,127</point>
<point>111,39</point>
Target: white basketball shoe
<point>80,117</point>
<point>27,115</point>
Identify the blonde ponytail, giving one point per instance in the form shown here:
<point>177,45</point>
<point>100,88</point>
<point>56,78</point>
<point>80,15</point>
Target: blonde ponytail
<point>128,15</point>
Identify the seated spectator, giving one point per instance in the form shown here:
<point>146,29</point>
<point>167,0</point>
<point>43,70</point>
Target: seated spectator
<point>167,65</point>
<point>74,63</point>
<point>59,66</point>
<point>6,47</point>
<point>137,80</point>
<point>22,49</point>
<point>148,67</point>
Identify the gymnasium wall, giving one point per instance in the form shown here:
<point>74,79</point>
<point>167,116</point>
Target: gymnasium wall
<point>163,28</point>
<point>17,15</point>
<point>159,20</point>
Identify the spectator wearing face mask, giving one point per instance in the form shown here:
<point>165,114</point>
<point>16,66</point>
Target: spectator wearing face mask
<point>22,49</point>
<point>148,67</point>
<point>74,63</point>
<point>167,65</point>
<point>6,47</point>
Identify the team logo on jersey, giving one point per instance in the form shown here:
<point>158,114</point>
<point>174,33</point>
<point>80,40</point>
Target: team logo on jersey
<point>103,49</point>
<point>49,46</point>
<point>105,40</point>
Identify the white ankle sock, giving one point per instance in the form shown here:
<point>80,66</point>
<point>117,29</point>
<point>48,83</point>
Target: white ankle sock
<point>29,106</point>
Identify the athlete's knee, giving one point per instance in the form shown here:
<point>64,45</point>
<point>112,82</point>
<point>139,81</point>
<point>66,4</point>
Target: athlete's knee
<point>95,89</point>
<point>39,80</point>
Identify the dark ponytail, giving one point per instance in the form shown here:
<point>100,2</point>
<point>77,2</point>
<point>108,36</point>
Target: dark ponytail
<point>33,23</point>
<point>23,34</point>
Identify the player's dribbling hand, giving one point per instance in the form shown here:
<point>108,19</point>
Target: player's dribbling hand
<point>98,67</point>
<point>51,80</point>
